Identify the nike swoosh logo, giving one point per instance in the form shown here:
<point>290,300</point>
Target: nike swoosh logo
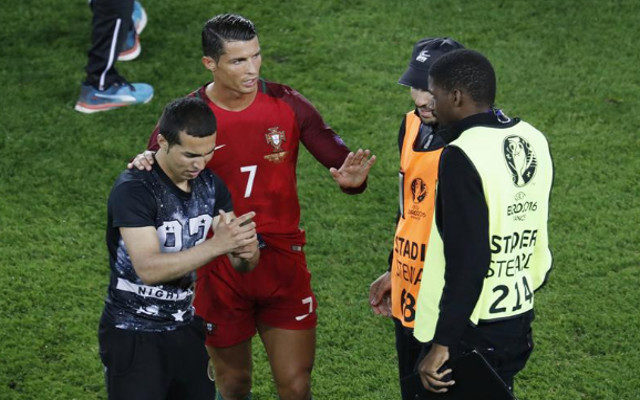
<point>219,147</point>
<point>119,97</point>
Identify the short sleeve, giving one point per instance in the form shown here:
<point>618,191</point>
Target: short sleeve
<point>223,197</point>
<point>131,204</point>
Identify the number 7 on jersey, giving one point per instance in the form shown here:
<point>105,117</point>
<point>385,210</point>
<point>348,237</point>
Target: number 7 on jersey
<point>251,169</point>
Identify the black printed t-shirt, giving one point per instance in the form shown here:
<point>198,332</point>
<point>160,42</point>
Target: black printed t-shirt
<point>182,220</point>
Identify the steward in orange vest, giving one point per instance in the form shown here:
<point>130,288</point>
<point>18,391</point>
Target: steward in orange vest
<point>395,293</point>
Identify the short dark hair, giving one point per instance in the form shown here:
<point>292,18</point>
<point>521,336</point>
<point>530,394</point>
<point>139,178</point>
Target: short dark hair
<point>190,115</point>
<point>225,27</point>
<point>468,71</point>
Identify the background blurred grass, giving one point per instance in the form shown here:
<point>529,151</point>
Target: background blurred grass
<point>570,68</point>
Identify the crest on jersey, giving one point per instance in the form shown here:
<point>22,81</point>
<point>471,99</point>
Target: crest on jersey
<point>275,138</point>
<point>520,158</point>
<point>418,190</point>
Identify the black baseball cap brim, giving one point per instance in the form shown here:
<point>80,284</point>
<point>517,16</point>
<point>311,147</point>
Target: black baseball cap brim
<point>415,78</point>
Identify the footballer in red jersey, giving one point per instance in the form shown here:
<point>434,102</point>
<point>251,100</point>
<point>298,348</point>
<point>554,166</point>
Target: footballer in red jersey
<point>260,128</point>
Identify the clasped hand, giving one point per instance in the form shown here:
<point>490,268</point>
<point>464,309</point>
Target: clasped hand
<point>237,235</point>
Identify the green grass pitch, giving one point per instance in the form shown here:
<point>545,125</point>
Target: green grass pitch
<point>568,67</point>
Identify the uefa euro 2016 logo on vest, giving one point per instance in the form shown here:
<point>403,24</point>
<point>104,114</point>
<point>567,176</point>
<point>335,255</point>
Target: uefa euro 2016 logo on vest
<point>520,158</point>
<point>419,190</point>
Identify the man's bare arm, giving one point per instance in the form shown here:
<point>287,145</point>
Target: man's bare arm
<point>154,266</point>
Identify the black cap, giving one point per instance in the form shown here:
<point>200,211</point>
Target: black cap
<point>425,52</point>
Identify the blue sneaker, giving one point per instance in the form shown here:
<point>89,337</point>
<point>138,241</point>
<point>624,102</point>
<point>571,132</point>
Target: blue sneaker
<point>139,17</point>
<point>117,95</point>
<point>131,48</point>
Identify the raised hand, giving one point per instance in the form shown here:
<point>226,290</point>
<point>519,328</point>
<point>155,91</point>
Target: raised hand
<point>354,169</point>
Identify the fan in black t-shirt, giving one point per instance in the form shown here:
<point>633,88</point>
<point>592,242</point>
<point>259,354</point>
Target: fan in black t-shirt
<point>158,221</point>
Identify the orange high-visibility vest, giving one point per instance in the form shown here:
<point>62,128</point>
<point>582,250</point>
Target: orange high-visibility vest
<point>418,177</point>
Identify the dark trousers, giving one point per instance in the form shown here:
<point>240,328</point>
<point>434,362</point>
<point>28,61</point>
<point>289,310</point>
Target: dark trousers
<point>506,345</point>
<point>408,349</point>
<point>111,23</point>
<point>155,365</point>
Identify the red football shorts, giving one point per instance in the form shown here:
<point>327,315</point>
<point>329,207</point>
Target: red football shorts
<point>276,293</point>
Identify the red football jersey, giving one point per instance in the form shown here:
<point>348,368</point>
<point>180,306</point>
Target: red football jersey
<point>257,153</point>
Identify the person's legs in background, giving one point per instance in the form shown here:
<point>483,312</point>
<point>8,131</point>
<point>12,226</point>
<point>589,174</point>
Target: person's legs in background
<point>116,24</point>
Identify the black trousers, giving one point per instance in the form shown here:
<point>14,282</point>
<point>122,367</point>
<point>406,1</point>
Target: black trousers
<point>110,25</point>
<point>155,365</point>
<point>506,345</point>
<point>408,349</point>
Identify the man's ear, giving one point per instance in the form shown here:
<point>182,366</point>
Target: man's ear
<point>456,97</point>
<point>209,63</point>
<point>163,143</point>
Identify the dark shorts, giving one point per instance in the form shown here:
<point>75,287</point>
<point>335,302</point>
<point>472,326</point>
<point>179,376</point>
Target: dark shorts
<point>155,365</point>
<point>276,293</point>
<point>408,348</point>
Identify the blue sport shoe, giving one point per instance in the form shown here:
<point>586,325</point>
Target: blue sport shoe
<point>139,17</point>
<point>131,48</point>
<point>117,95</point>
